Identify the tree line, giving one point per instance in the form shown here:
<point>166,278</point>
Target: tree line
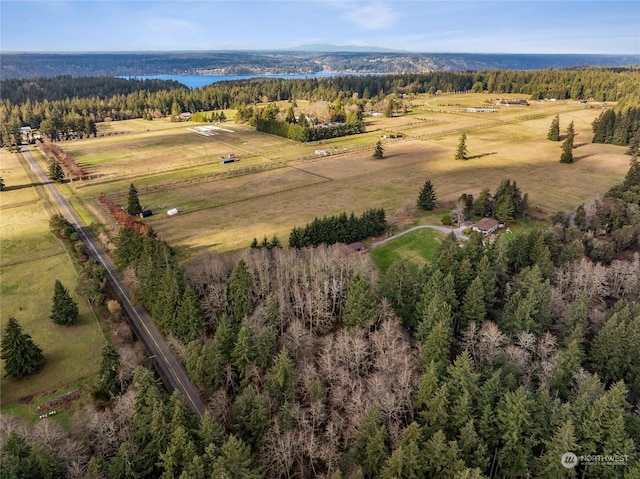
<point>618,128</point>
<point>340,228</point>
<point>302,133</point>
<point>135,99</point>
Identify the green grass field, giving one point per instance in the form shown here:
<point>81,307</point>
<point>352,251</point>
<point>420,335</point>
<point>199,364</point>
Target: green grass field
<point>174,167</point>
<point>30,262</point>
<point>419,246</point>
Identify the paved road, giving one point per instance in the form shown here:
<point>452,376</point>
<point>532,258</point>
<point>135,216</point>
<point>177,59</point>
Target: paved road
<point>442,229</point>
<point>170,369</point>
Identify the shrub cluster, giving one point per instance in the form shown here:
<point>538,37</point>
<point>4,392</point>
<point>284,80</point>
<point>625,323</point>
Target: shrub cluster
<point>301,133</point>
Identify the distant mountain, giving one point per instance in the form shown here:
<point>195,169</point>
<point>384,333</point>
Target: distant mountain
<point>294,61</point>
<point>329,48</point>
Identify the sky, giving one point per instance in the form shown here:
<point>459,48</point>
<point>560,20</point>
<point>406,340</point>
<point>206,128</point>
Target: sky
<point>539,26</point>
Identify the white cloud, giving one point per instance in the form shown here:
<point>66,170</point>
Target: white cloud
<point>368,16</point>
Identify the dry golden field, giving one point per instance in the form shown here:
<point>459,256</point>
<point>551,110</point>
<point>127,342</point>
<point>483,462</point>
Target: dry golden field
<point>279,183</point>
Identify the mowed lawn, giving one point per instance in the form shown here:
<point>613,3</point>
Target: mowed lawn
<point>226,213</point>
<point>32,259</point>
<point>418,247</point>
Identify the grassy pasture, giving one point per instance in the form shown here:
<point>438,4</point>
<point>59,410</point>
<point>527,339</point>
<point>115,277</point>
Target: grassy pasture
<point>419,246</point>
<point>72,353</point>
<point>31,259</point>
<point>225,214</point>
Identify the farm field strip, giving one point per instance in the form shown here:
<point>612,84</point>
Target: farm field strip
<point>228,192</point>
<point>225,210</point>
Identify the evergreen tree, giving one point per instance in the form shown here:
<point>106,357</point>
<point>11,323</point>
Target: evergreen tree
<point>482,205</point>
<point>554,129</point>
<point>488,277</point>
<point>55,172</point>
<point>250,416</point>
<point>472,447</point>
<point>473,306</point>
<point>443,456</point>
<point>178,455</point>
<point>411,460</point>
<point>2,186</point>
<point>378,152</point>
<point>505,210</point>
<point>133,204</point>
<point>566,367</point>
<point>129,247</point>
<point>189,320</point>
<point>360,306</point>
<point>400,284</point>
<point>240,292</point>
<point>433,308</point>
<point>461,152</point>
<point>265,349</point>
<point>21,355</point>
<point>64,310</point>
<point>633,150</point>
<point>20,460</point>
<point>167,300</point>
<point>514,422</point>
<point>563,441</point>
<point>567,146</point>
<point>282,379</point>
<point>243,353</point>
<point>427,197</point>
<point>371,441</point>
<point>235,461</point>
<point>437,344</point>
<point>290,117</point>
<point>109,368</point>
<point>210,433</point>
<point>16,458</point>
<point>541,256</point>
<point>431,401</point>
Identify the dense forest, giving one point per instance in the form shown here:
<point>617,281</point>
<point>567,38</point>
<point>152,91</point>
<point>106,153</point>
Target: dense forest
<point>27,108</point>
<point>492,361</point>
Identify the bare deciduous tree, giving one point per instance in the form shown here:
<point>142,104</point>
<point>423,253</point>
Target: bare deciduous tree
<point>457,213</point>
<point>491,343</point>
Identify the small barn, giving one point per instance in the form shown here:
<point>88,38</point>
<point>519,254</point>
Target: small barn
<point>486,225</point>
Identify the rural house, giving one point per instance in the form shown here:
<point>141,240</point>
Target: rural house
<point>486,225</point>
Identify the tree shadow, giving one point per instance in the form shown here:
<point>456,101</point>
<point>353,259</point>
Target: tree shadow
<point>583,157</point>
<point>26,185</point>
<point>473,157</point>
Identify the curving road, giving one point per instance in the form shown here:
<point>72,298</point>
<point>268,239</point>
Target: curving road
<point>174,376</point>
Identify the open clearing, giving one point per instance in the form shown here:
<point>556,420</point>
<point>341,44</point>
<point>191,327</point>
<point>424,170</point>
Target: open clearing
<point>278,183</point>
<point>417,247</point>
<point>31,260</point>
